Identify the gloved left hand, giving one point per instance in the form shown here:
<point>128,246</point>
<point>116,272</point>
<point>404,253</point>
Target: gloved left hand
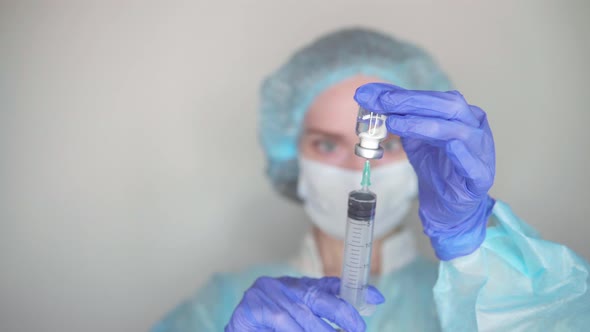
<point>297,304</point>
<point>450,145</point>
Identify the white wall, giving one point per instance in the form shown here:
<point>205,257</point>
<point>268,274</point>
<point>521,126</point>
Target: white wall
<point>115,201</point>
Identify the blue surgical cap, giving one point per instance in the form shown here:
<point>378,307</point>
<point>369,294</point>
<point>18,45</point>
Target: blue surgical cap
<point>287,93</point>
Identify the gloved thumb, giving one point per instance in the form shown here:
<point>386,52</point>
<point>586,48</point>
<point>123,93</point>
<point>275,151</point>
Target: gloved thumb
<point>374,296</point>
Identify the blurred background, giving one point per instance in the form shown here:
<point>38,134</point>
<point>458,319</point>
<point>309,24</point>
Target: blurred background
<point>130,169</point>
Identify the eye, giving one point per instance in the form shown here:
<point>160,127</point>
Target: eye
<point>325,146</point>
<point>392,145</point>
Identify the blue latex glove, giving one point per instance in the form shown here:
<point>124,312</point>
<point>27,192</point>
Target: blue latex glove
<point>450,145</point>
<point>297,304</point>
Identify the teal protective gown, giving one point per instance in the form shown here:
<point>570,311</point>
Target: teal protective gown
<point>515,281</point>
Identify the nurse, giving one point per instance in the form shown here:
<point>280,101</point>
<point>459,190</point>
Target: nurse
<point>495,273</point>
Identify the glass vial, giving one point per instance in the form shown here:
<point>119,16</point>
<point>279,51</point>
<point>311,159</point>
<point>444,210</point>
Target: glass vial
<point>371,130</point>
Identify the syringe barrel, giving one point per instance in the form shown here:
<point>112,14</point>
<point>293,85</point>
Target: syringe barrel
<point>356,267</point>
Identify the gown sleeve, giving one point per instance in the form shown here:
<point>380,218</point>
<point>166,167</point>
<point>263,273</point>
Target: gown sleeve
<point>208,310</point>
<point>211,307</point>
<point>515,281</point>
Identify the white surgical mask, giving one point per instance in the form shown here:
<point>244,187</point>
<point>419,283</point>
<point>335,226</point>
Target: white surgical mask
<point>324,190</point>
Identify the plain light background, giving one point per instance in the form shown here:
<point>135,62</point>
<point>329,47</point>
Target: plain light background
<point>130,168</point>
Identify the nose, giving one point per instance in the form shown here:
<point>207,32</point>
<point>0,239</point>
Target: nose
<point>354,162</point>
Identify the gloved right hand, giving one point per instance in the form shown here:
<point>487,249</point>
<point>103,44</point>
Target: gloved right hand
<point>451,147</point>
<point>297,304</point>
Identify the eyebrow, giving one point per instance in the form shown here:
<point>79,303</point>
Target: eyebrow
<point>314,131</point>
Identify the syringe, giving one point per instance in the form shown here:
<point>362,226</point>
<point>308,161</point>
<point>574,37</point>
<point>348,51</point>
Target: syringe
<point>359,242</point>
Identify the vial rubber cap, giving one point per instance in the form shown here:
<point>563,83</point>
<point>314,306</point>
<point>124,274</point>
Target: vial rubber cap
<point>368,153</point>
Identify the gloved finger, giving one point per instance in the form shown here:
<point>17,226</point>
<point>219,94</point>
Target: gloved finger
<point>479,176</point>
<point>287,307</point>
<point>283,321</point>
<point>390,99</point>
<point>335,310</point>
<point>434,131</point>
<point>331,285</point>
<point>321,296</point>
<point>479,114</point>
<point>374,296</point>
<point>304,316</point>
<point>301,285</point>
<point>259,309</point>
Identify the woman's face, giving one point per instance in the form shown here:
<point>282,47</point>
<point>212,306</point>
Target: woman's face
<point>329,129</point>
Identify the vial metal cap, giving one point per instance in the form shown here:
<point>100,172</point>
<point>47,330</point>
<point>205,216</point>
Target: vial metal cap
<point>368,153</point>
